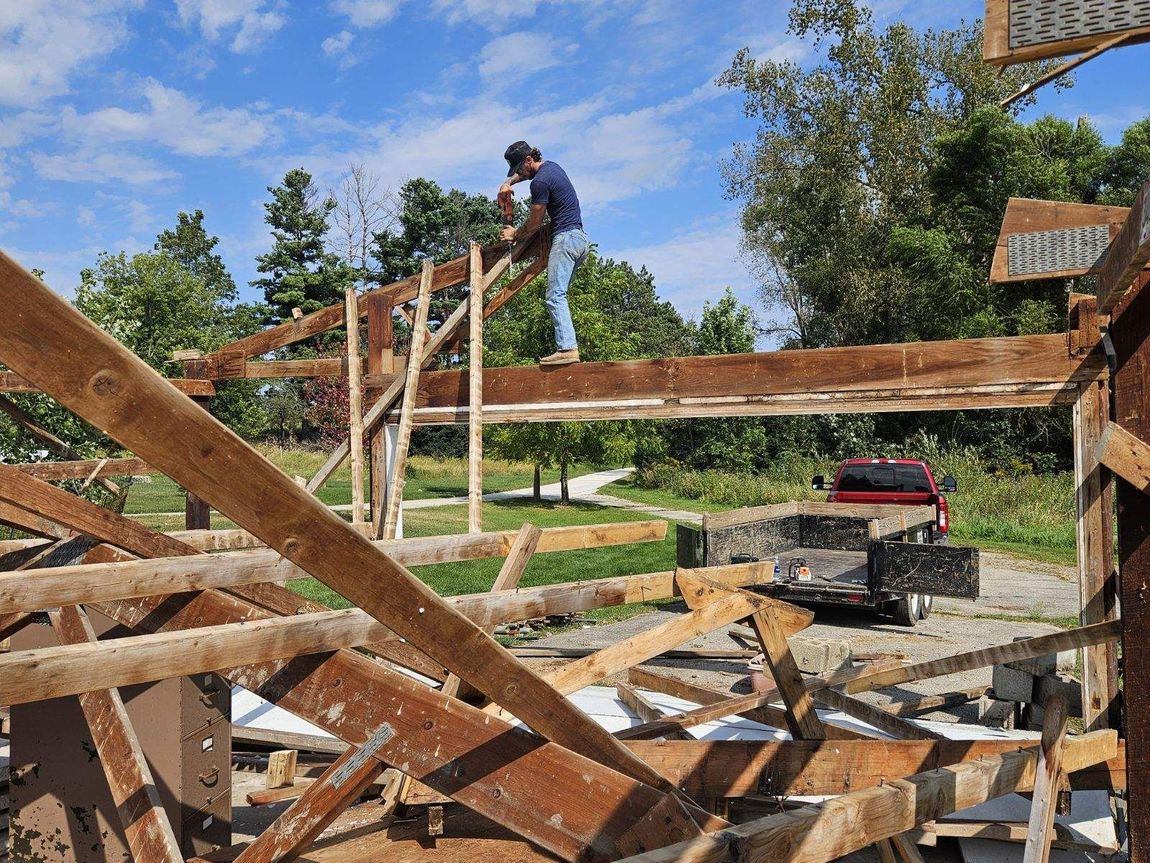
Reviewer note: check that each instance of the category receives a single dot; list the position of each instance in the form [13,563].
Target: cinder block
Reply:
[1011,684]
[996,714]
[1036,666]
[820,655]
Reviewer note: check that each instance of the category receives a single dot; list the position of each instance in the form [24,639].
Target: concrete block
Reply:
[1012,684]
[1033,717]
[994,713]
[1047,685]
[820,655]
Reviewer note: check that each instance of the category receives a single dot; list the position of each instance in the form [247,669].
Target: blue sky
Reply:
[116,114]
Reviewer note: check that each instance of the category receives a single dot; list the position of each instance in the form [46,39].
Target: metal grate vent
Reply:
[1056,251]
[1033,22]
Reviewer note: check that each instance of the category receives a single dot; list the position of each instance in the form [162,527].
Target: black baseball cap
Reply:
[516,155]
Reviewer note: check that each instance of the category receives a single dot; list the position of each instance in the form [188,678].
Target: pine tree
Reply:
[299,271]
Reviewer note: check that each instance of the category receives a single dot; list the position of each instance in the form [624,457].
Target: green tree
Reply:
[299,271]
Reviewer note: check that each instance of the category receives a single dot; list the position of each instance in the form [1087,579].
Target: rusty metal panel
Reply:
[1056,251]
[1034,22]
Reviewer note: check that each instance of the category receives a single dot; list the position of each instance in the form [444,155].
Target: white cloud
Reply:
[695,266]
[140,218]
[86,217]
[175,121]
[511,58]
[367,13]
[44,42]
[338,44]
[15,129]
[249,19]
[90,166]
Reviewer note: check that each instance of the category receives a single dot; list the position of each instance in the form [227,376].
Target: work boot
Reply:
[561,358]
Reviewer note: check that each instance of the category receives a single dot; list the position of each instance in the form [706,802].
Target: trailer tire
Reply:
[905,610]
[925,602]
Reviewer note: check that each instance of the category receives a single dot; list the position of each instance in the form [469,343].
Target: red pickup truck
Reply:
[907,482]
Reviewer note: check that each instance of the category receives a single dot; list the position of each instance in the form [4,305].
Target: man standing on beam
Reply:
[551,194]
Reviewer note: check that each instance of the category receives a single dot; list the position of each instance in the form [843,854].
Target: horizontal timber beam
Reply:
[46,587]
[55,471]
[10,382]
[834,828]
[1017,371]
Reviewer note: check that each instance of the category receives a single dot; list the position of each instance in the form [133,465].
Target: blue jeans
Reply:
[568,251]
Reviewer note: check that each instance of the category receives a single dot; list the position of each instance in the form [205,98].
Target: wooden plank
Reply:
[248,736]
[930,703]
[996,38]
[885,851]
[55,471]
[508,579]
[321,367]
[1011,360]
[1095,540]
[281,768]
[738,768]
[1126,455]
[146,827]
[1057,72]
[376,413]
[865,679]
[355,404]
[893,725]
[475,395]
[676,724]
[87,371]
[834,828]
[54,444]
[1130,334]
[647,711]
[415,359]
[1047,780]
[439,739]
[380,359]
[1012,832]
[754,706]
[1129,253]
[447,275]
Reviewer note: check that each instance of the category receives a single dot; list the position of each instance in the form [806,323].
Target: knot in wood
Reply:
[105,383]
[292,546]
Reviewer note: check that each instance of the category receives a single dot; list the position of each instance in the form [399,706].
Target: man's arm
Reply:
[533,223]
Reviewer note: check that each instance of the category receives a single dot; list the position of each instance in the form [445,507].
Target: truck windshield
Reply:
[884,478]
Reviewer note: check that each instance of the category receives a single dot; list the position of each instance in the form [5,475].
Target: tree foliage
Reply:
[299,271]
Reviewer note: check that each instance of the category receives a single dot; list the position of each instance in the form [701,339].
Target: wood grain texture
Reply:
[834,828]
[55,471]
[57,348]
[1044,802]
[355,404]
[475,394]
[147,830]
[1125,454]
[1028,216]
[1129,253]
[415,360]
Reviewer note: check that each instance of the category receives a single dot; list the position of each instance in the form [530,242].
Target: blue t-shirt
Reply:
[551,187]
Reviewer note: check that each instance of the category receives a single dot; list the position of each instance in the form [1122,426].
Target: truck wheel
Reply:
[925,602]
[905,610]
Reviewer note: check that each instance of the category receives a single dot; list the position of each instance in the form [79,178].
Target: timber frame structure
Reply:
[556,786]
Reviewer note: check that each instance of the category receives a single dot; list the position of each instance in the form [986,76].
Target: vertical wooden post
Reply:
[355,405]
[380,361]
[407,407]
[475,391]
[1130,333]
[1096,579]
[197,513]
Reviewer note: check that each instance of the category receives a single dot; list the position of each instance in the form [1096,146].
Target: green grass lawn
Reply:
[475,576]
[426,478]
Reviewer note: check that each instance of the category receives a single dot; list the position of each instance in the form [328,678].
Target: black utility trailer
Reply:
[877,556]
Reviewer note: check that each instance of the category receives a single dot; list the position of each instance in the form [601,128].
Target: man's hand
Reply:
[508,235]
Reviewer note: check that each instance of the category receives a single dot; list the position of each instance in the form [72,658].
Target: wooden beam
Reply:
[996,44]
[1011,832]
[1126,455]
[1057,72]
[384,403]
[648,712]
[716,705]
[1047,780]
[1129,253]
[55,471]
[415,359]
[53,345]
[475,395]
[380,359]
[930,703]
[896,727]
[787,768]
[834,828]
[802,719]
[1097,582]
[54,444]
[146,827]
[355,404]
[447,275]
[514,565]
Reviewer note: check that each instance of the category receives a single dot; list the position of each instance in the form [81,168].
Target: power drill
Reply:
[506,202]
